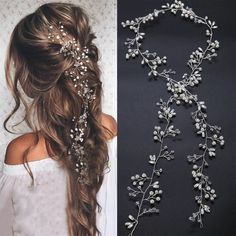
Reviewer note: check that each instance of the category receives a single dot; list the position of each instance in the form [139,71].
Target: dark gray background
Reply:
[137,115]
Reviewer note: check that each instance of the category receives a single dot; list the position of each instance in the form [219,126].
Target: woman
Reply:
[57,179]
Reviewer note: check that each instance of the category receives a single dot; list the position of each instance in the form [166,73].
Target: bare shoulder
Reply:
[17,147]
[110,123]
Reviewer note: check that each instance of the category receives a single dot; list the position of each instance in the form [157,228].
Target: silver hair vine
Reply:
[145,187]
[70,48]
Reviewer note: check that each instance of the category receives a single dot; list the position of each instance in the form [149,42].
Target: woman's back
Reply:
[17,147]
[42,208]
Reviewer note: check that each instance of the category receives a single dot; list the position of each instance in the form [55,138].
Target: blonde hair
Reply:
[40,71]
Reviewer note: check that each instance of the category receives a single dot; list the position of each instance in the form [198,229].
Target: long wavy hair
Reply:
[51,101]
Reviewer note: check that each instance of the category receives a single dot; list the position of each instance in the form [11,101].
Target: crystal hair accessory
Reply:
[77,73]
[145,188]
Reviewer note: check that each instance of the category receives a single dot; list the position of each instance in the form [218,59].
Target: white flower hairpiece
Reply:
[71,48]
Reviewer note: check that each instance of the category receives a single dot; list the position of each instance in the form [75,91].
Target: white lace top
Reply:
[41,210]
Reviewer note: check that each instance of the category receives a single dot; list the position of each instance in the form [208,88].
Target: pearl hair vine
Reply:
[77,73]
[145,189]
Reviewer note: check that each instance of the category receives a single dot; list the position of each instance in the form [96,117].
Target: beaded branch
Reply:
[70,48]
[145,189]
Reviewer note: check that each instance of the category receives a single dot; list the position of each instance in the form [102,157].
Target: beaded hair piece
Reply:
[145,189]
[70,48]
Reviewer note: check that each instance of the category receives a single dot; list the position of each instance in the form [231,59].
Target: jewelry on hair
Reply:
[71,48]
[145,187]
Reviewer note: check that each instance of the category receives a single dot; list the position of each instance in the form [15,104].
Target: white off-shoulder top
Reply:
[41,210]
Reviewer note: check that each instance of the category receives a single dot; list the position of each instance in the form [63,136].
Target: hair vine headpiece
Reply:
[71,48]
[145,188]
